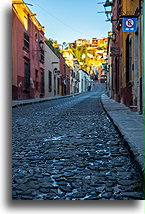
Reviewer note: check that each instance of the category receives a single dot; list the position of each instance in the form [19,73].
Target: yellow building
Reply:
[68,54]
[126,54]
[23,11]
[132,59]
[81,42]
[90,58]
[99,43]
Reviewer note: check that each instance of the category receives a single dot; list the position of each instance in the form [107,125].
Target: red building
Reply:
[64,77]
[27,54]
[68,72]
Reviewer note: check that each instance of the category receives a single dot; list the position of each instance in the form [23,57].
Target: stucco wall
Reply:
[51,62]
[20,55]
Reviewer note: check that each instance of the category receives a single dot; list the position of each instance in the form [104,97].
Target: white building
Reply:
[75,77]
[84,82]
[52,72]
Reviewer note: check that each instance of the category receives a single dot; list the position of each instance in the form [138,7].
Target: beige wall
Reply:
[51,62]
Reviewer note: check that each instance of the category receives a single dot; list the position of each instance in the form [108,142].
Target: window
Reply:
[57,85]
[37,86]
[42,82]
[64,70]
[26,75]
[128,58]
[42,55]
[26,40]
[36,37]
[50,81]
[36,80]
[36,74]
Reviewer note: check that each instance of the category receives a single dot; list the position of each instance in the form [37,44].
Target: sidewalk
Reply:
[130,125]
[16,103]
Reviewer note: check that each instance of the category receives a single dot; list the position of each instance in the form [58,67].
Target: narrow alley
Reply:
[69,149]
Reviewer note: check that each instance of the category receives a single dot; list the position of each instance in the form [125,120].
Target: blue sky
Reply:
[68,20]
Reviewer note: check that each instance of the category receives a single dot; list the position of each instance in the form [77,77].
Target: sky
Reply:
[68,20]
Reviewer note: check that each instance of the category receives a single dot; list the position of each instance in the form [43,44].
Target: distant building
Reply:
[73,64]
[27,53]
[81,42]
[94,42]
[84,81]
[75,77]
[99,43]
[65,71]
[55,43]
[68,55]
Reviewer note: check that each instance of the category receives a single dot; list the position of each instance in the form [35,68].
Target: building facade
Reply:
[27,53]
[52,71]
[65,71]
[84,81]
[126,67]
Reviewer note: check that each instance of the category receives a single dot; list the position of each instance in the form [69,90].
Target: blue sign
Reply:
[129,24]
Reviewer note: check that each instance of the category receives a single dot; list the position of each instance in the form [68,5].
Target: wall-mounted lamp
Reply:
[56,71]
[41,44]
[108,3]
[113,36]
[108,9]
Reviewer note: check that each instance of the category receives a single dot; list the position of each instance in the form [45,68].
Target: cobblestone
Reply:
[70,150]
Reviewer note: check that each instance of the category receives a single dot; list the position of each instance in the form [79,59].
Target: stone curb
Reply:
[133,137]
[34,101]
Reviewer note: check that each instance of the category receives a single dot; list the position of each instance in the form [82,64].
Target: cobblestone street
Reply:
[68,149]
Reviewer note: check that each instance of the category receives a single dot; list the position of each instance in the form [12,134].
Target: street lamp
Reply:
[108,3]
[108,9]
[113,36]
[41,44]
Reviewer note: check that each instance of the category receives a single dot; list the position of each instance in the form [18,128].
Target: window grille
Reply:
[50,81]
[42,55]
[42,82]
[26,40]
[128,58]
[26,76]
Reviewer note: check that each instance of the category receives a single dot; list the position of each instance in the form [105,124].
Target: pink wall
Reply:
[21,55]
[65,88]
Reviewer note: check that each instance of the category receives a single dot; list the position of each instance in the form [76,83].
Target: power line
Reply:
[59,20]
